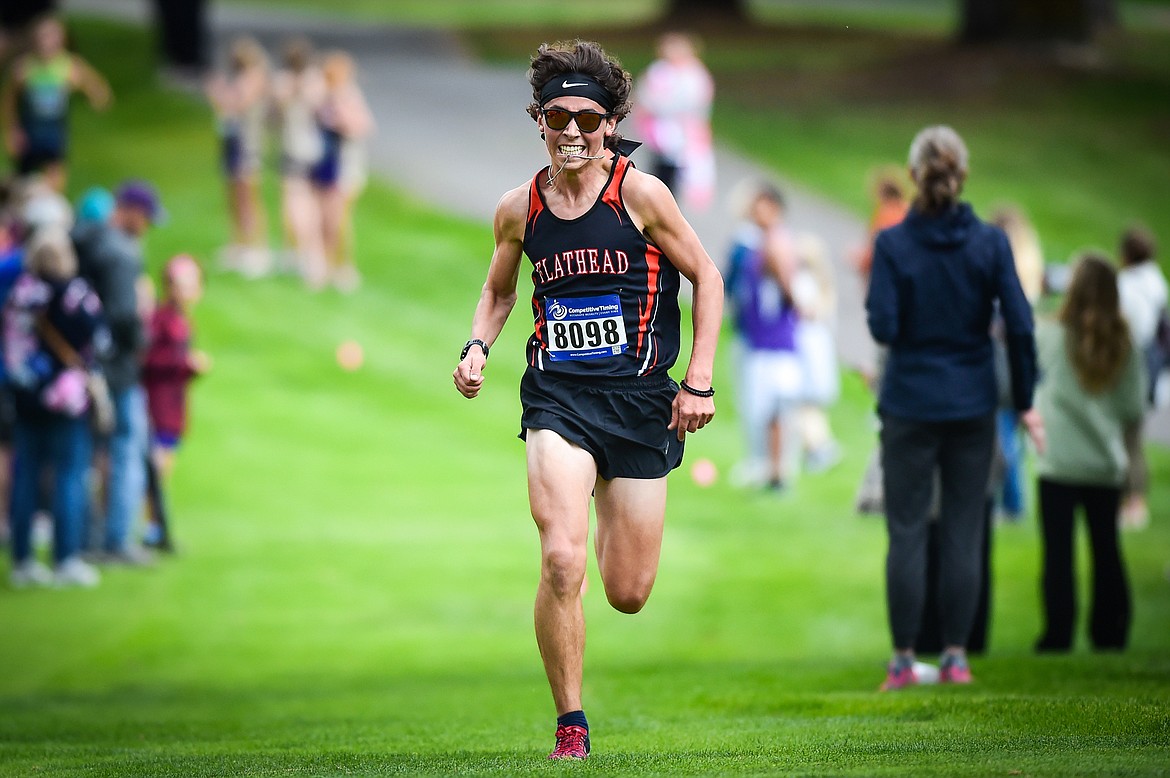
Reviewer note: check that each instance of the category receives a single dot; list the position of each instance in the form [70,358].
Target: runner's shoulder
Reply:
[512,211]
[645,194]
[648,200]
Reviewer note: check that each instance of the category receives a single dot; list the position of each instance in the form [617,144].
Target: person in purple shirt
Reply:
[937,278]
[759,282]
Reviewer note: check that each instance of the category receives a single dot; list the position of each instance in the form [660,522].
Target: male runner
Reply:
[601,417]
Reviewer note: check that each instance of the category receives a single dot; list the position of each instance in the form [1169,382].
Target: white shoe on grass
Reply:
[133,555]
[925,672]
[76,572]
[30,572]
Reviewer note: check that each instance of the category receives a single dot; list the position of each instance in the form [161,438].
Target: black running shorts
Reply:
[620,421]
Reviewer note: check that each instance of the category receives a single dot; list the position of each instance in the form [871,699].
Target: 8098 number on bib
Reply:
[585,327]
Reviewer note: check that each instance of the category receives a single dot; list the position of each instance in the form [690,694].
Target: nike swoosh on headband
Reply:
[566,84]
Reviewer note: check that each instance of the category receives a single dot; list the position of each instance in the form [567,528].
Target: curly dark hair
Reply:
[578,56]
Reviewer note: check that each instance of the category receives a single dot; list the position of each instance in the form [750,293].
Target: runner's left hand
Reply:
[468,374]
[690,413]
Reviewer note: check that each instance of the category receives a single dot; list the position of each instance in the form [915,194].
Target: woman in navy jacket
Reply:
[936,281]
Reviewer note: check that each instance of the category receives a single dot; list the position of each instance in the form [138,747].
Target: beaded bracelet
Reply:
[696,392]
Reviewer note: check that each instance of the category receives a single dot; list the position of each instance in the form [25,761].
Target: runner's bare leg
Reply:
[560,478]
[630,517]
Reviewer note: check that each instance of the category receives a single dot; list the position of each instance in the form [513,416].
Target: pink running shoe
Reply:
[954,669]
[572,743]
[898,675]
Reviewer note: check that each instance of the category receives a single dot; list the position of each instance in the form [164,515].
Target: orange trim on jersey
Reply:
[653,265]
[612,194]
[535,204]
[536,325]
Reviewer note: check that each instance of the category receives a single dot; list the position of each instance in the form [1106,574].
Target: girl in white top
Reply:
[239,98]
[814,292]
[297,92]
[1143,292]
[344,115]
[674,99]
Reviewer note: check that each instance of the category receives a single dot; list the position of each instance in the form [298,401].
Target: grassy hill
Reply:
[353,593]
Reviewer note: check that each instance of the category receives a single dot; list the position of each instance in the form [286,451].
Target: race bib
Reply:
[585,327]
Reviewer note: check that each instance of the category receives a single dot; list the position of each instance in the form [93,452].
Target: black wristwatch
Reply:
[469,344]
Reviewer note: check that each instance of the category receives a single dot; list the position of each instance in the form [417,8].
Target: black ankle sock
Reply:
[574,718]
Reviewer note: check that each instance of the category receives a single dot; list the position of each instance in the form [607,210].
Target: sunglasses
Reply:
[558,119]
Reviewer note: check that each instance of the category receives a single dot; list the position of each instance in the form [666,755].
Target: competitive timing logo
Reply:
[557,310]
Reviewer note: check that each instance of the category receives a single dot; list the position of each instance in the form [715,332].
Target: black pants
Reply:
[912,451]
[930,635]
[1109,615]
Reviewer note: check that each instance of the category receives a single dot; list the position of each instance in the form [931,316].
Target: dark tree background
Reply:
[15,14]
[981,20]
[182,32]
[682,11]
[181,26]
[1054,20]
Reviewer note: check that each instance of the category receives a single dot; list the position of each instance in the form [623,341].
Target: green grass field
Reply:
[353,595]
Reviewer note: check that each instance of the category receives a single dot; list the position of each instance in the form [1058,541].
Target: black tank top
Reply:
[605,300]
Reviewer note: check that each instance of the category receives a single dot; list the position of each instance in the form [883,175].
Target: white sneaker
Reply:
[30,572]
[133,555]
[254,262]
[76,572]
[925,672]
[42,530]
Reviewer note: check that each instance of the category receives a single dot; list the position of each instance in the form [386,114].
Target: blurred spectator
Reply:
[297,91]
[169,366]
[889,192]
[1026,252]
[935,279]
[1092,388]
[759,282]
[1143,291]
[1029,262]
[52,330]
[96,204]
[674,99]
[111,258]
[814,292]
[890,207]
[339,176]
[239,98]
[11,266]
[32,205]
[34,104]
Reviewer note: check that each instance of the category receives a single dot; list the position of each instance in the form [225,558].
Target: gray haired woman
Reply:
[937,278]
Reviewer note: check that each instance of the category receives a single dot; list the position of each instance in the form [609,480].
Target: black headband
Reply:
[576,85]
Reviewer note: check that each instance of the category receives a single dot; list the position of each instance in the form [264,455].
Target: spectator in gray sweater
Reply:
[111,259]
